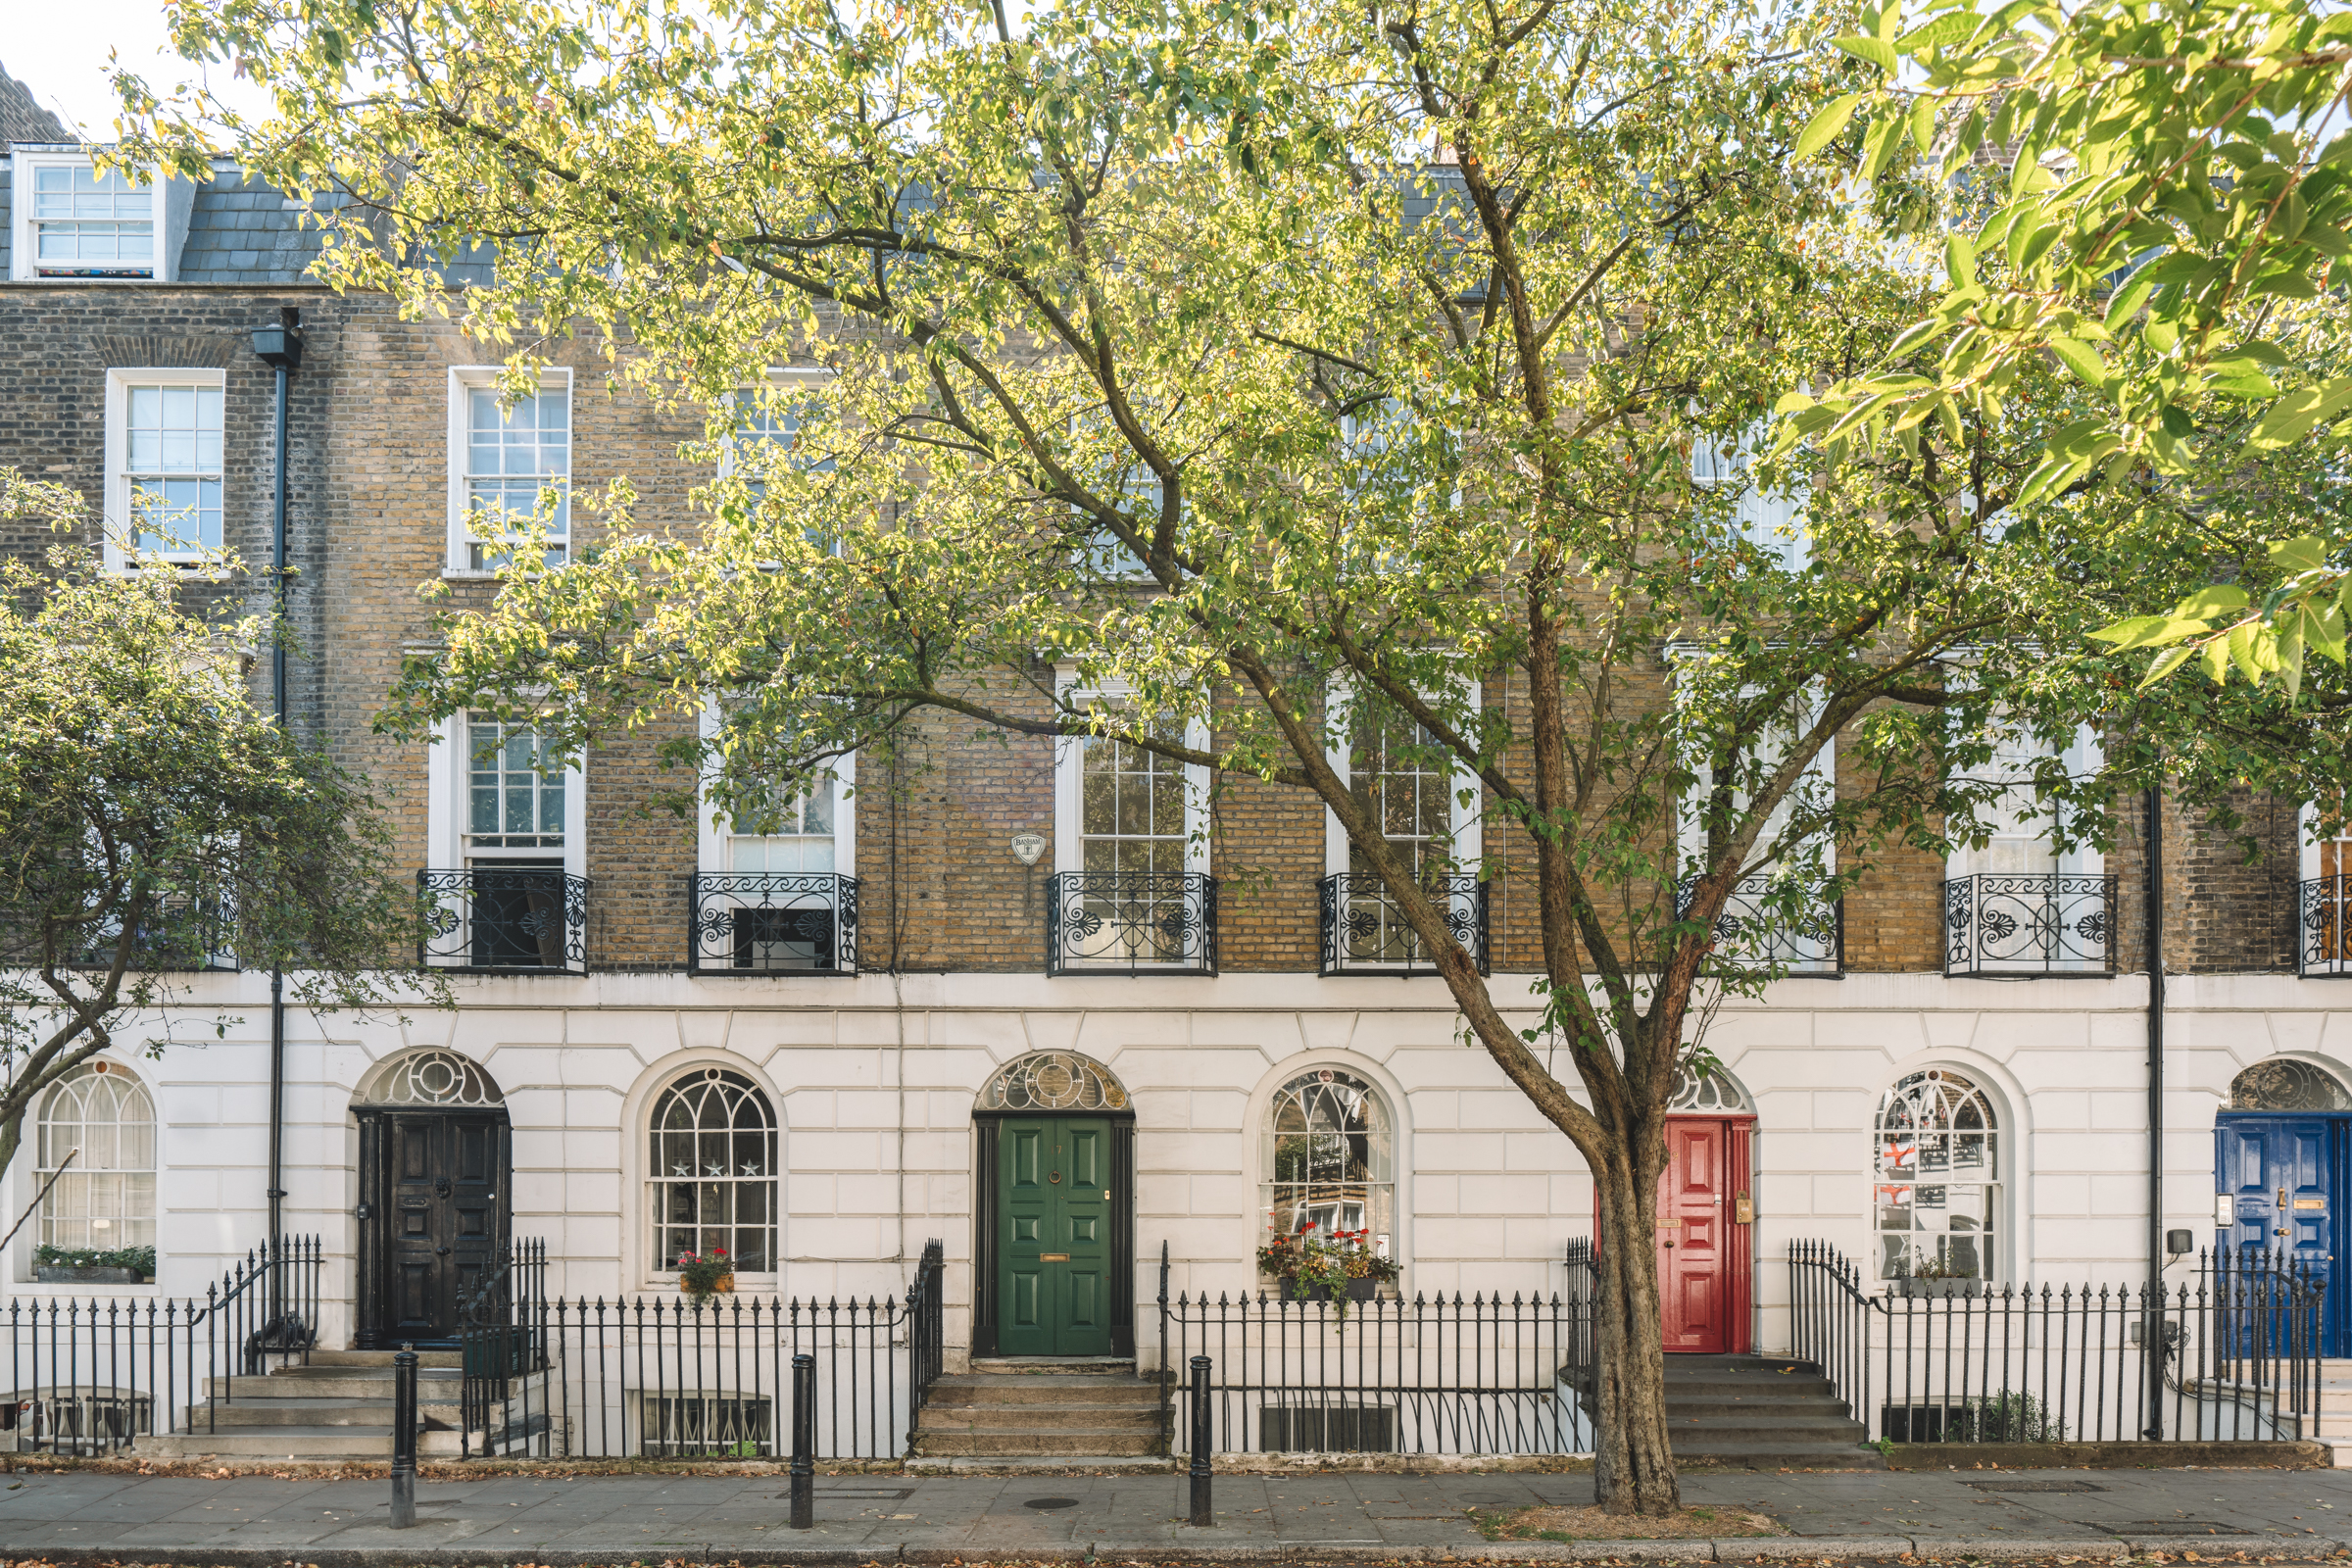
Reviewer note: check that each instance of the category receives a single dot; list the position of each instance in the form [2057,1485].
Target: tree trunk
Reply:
[1633,1463]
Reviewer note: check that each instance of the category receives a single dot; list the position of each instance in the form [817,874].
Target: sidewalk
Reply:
[75,1517]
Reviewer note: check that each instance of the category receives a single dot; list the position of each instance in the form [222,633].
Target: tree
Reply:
[2180,191]
[153,824]
[1354,370]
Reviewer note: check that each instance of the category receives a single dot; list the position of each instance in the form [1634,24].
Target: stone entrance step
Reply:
[1042,1410]
[337,1407]
[1761,1412]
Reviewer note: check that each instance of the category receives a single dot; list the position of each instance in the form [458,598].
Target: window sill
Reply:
[467,574]
[62,1289]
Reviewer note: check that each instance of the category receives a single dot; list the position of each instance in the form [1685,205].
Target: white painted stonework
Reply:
[874,1080]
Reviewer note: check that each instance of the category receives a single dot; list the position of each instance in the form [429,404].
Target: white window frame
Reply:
[464,381]
[43,1164]
[1468,821]
[1069,779]
[779,377]
[172,200]
[121,519]
[1774,523]
[712,835]
[651,1181]
[2307,823]
[2084,756]
[445,805]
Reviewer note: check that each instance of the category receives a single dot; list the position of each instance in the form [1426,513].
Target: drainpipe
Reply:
[2153,882]
[280,348]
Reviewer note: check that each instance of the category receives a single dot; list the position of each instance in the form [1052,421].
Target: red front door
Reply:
[1703,1246]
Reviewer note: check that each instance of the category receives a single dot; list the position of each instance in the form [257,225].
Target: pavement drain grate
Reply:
[1048,1505]
[2034,1486]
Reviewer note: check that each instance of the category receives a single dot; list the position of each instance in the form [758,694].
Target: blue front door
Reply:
[2281,1171]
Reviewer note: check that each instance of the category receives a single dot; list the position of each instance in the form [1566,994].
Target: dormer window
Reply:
[73,223]
[89,224]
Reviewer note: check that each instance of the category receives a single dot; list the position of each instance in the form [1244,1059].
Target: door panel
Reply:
[1053,1227]
[2279,1171]
[1693,1215]
[440,1219]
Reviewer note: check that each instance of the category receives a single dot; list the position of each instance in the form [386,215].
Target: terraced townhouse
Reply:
[921,1012]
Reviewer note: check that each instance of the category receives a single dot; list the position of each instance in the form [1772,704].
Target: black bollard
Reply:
[803,1442]
[404,1437]
[1201,1516]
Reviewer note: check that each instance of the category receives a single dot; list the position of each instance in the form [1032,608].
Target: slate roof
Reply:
[22,117]
[240,232]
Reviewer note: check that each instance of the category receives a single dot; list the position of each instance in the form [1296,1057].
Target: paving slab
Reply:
[1330,1517]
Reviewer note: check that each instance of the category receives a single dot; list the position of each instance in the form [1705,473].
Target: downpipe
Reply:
[2152,881]
[280,348]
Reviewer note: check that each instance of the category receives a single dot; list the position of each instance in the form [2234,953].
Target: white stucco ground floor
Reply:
[820,1129]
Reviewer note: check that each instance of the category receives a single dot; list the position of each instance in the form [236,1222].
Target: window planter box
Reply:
[1364,1290]
[62,1274]
[722,1286]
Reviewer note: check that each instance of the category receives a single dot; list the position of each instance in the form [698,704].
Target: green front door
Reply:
[1053,1237]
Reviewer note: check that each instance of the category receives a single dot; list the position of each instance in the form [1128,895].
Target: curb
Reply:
[1776,1549]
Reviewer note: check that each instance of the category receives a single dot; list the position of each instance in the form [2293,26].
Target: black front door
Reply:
[434,1219]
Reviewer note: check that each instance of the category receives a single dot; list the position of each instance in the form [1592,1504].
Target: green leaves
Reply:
[1827,123]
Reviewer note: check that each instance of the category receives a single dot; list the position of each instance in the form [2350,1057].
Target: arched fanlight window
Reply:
[2285,1084]
[104,1199]
[712,1171]
[1331,1159]
[1935,1171]
[1700,1094]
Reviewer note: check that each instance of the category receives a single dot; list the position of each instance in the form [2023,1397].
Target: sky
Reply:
[60,48]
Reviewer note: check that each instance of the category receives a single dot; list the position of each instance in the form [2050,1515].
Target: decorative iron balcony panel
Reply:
[776,923]
[2324,927]
[1131,922]
[1365,931]
[2025,923]
[507,919]
[1751,933]
[179,935]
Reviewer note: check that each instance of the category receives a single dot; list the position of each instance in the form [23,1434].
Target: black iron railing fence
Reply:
[1365,933]
[1131,922]
[511,919]
[92,1376]
[2029,923]
[674,1376]
[2324,926]
[1476,1374]
[746,924]
[2239,1347]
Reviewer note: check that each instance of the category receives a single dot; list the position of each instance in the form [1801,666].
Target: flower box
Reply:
[721,1286]
[1361,1290]
[68,1274]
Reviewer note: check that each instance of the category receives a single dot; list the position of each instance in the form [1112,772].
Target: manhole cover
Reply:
[2033,1486]
[1048,1504]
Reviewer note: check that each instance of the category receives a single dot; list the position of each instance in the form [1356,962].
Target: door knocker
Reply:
[440,1187]
[1054,1177]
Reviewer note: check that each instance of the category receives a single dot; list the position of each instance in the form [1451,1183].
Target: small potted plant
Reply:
[1343,1269]
[703,1275]
[82,1266]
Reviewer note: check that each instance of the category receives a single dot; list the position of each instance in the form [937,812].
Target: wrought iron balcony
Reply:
[505,919]
[1365,931]
[2022,923]
[1752,932]
[179,935]
[1131,922]
[2324,927]
[748,923]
